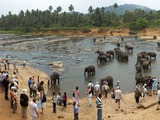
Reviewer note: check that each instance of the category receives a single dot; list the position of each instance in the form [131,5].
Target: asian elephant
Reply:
[123,56]
[138,68]
[129,47]
[102,58]
[100,52]
[142,79]
[146,64]
[139,56]
[118,44]
[110,52]
[89,70]
[143,53]
[152,54]
[109,56]
[158,43]
[108,79]
[54,76]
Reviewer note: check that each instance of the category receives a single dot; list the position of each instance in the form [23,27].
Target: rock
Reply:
[58,64]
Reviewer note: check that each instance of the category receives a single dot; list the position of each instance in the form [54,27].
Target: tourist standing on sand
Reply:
[24,63]
[158,98]
[54,102]
[77,95]
[24,102]
[65,99]
[118,96]
[34,89]
[89,95]
[154,86]
[106,88]
[91,86]
[97,89]
[12,95]
[59,99]
[99,107]
[29,86]
[6,86]
[137,94]
[75,111]
[15,96]
[34,109]
[149,85]
[40,103]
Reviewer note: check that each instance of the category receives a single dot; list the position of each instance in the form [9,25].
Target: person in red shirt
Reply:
[65,99]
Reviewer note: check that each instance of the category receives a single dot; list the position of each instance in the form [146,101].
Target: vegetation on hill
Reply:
[29,21]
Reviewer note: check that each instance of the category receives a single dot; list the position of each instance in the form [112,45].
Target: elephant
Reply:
[89,70]
[102,58]
[54,76]
[123,56]
[108,79]
[116,49]
[118,44]
[154,37]
[142,79]
[141,60]
[158,43]
[143,53]
[146,64]
[100,52]
[139,56]
[129,47]
[152,54]
[138,68]
[109,56]
[110,52]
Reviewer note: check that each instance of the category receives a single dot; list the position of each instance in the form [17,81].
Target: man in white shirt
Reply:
[97,89]
[34,109]
[118,96]
[90,84]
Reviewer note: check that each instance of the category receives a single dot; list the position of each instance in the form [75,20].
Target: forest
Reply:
[34,20]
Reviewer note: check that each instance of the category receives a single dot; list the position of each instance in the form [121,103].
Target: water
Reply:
[76,54]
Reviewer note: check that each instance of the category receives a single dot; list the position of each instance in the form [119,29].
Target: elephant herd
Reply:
[144,60]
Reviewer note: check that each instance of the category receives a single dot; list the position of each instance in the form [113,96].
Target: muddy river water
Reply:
[76,53]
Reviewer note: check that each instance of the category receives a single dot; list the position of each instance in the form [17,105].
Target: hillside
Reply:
[122,8]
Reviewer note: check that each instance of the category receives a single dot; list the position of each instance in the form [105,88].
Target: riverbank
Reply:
[128,110]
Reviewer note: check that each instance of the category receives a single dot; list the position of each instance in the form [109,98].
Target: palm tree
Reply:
[115,5]
[71,8]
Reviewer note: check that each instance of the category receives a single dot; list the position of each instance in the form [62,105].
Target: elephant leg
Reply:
[58,80]
[55,81]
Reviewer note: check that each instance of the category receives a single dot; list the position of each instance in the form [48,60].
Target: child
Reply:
[75,111]
[65,99]
[54,102]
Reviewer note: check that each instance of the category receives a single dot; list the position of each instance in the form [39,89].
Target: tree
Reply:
[71,8]
[90,9]
[115,5]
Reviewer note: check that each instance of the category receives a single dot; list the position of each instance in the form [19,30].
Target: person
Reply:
[137,94]
[144,90]
[14,98]
[24,63]
[77,95]
[5,83]
[106,88]
[75,111]
[40,103]
[65,99]
[54,102]
[40,87]
[154,86]
[113,93]
[34,109]
[89,95]
[34,88]
[149,84]
[24,102]
[158,98]
[29,86]
[117,84]
[12,95]
[1,79]
[158,85]
[118,96]
[59,99]
[99,107]
[97,89]
[91,86]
